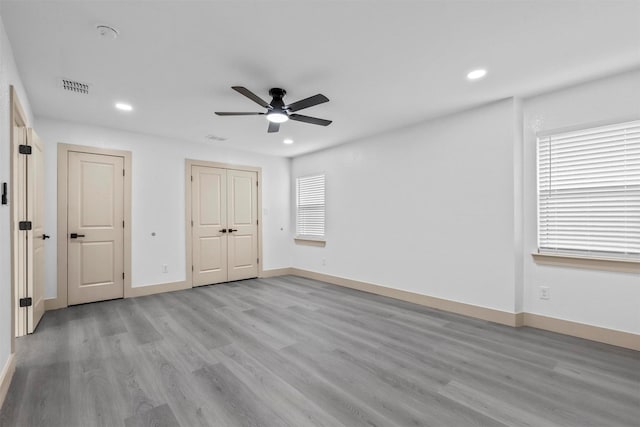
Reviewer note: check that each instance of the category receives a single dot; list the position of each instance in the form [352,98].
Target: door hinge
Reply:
[257,260]
[24,225]
[122,224]
[192,223]
[122,172]
[24,149]
[256,183]
[257,221]
[26,302]
[192,268]
[122,276]
[191,178]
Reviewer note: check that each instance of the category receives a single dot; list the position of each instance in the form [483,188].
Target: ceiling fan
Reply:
[277,111]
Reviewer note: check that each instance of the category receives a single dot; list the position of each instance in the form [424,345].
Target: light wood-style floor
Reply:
[294,352]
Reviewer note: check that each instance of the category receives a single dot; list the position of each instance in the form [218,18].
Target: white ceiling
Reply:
[383,64]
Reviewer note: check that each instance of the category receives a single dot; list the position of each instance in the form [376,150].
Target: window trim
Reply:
[308,241]
[618,265]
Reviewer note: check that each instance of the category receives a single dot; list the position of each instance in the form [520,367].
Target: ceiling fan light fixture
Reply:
[277,111]
[277,117]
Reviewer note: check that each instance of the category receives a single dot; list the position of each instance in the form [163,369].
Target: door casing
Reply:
[189,241]
[62,233]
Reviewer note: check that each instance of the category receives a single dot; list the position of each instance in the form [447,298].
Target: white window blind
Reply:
[310,205]
[589,192]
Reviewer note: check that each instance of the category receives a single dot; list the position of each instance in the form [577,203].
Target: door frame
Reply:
[17,117]
[187,219]
[61,299]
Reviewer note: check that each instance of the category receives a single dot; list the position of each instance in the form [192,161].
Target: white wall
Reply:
[427,209]
[8,76]
[448,208]
[600,298]
[158,197]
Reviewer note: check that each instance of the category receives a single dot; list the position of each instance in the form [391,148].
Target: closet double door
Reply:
[224,223]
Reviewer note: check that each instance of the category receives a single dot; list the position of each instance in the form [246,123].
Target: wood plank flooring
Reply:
[289,351]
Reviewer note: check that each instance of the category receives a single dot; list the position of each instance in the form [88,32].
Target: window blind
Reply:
[310,206]
[589,191]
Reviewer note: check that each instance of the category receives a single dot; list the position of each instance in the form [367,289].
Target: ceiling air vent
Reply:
[76,87]
[215,138]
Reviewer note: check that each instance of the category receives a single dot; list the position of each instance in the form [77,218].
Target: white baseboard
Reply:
[566,327]
[490,314]
[274,272]
[582,330]
[575,329]
[140,291]
[53,304]
[6,376]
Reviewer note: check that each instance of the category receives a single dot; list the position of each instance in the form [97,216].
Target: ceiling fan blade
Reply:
[238,114]
[252,96]
[312,120]
[307,102]
[273,127]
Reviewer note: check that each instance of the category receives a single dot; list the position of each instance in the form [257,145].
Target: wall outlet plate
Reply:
[545,292]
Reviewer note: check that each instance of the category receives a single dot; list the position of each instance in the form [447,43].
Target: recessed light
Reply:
[288,141]
[477,74]
[124,107]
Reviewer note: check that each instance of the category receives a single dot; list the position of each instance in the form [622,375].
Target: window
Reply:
[589,192]
[310,206]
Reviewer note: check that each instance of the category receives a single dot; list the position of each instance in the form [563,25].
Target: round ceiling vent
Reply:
[107,32]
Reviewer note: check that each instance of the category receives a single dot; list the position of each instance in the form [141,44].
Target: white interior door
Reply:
[209,218]
[21,237]
[242,207]
[224,210]
[36,237]
[95,223]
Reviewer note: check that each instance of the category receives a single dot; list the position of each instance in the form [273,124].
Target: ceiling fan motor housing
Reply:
[277,103]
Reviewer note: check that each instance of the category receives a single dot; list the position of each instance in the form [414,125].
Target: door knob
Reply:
[76,235]
[224,230]
[231,230]
[45,236]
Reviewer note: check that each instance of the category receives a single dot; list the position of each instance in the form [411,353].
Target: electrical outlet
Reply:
[545,292]
[165,268]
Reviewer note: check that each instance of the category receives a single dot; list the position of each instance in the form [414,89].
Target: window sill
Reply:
[594,263]
[310,241]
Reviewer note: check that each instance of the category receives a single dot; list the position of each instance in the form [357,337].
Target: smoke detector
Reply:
[107,32]
[75,87]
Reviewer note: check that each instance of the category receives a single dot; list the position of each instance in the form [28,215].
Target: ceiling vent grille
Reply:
[215,138]
[75,87]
